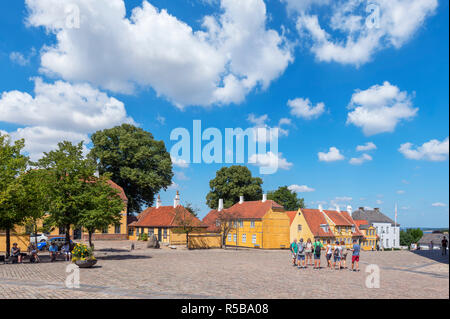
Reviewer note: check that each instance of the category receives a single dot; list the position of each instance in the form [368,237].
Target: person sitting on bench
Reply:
[15,254]
[53,249]
[34,258]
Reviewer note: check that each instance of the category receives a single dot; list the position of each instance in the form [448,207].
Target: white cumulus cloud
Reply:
[301,188]
[303,108]
[366,147]
[270,160]
[230,55]
[433,150]
[438,204]
[333,155]
[360,160]
[380,108]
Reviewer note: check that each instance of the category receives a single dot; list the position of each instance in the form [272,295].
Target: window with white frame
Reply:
[252,224]
[244,238]
[241,223]
[234,237]
[254,239]
[217,222]
[229,237]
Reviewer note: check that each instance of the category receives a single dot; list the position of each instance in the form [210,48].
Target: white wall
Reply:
[389,235]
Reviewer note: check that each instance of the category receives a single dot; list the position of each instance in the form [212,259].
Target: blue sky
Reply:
[336,81]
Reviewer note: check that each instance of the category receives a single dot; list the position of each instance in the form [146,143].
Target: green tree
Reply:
[410,236]
[33,196]
[102,206]
[12,164]
[287,198]
[68,174]
[185,222]
[193,210]
[232,182]
[138,163]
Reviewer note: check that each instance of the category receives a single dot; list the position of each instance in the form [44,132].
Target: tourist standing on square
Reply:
[329,253]
[317,250]
[294,249]
[355,256]
[337,251]
[301,254]
[444,245]
[344,255]
[308,252]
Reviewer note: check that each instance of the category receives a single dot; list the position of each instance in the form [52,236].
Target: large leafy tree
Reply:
[32,194]
[102,206]
[68,175]
[232,182]
[12,164]
[136,161]
[287,198]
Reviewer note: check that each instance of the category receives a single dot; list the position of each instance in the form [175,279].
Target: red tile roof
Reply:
[291,215]
[357,231]
[315,218]
[166,216]
[360,222]
[253,209]
[338,218]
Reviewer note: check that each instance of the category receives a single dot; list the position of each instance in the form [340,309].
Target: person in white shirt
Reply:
[337,253]
[329,253]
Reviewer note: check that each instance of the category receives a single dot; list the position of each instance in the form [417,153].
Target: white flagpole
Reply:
[395,214]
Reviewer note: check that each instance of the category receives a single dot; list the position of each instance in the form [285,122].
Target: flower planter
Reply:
[85,263]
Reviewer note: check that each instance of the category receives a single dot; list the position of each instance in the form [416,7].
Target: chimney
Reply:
[220,207]
[376,209]
[241,199]
[338,209]
[158,202]
[361,208]
[349,210]
[97,174]
[321,208]
[176,201]
[264,198]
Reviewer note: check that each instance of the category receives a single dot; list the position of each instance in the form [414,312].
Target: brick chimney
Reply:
[220,207]
[241,199]
[264,198]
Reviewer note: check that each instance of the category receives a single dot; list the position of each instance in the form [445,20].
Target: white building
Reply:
[387,229]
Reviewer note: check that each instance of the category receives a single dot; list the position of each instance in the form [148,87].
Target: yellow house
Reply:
[343,226]
[165,222]
[309,224]
[370,239]
[254,224]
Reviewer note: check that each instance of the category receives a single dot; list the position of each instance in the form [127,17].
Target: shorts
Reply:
[301,257]
[337,258]
[355,258]
[328,257]
[317,256]
[309,254]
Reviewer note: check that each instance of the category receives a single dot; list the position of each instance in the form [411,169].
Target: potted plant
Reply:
[83,256]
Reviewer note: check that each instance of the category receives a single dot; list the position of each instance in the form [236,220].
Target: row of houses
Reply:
[261,224]
[265,224]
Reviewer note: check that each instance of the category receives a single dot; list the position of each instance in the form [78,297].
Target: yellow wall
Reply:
[249,232]
[304,233]
[270,232]
[205,241]
[370,239]
[22,241]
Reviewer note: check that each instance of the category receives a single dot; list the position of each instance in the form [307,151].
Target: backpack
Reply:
[317,250]
[301,248]
[336,251]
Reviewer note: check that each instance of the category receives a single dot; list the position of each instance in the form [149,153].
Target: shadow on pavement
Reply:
[435,255]
[122,257]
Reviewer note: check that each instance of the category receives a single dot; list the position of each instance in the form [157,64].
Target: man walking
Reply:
[355,256]
[444,245]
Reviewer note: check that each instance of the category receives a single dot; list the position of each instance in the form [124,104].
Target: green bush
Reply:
[143,236]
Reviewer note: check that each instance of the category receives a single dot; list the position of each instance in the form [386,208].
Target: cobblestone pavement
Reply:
[179,273]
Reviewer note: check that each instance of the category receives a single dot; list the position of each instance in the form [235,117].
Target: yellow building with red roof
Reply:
[253,224]
[166,222]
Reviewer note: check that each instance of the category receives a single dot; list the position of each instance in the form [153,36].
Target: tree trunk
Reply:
[90,238]
[187,240]
[68,234]
[35,234]
[8,242]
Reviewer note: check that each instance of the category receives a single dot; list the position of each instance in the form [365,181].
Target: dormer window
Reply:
[324,227]
[353,228]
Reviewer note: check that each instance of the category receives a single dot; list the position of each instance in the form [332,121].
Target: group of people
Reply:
[336,255]
[17,255]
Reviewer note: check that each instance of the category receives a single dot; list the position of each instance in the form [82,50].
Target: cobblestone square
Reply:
[230,273]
